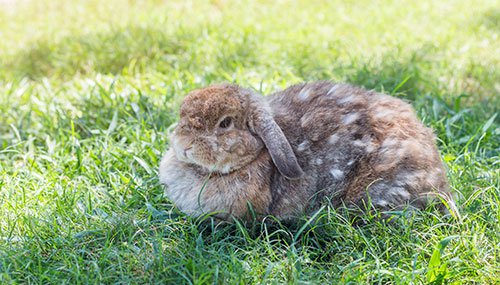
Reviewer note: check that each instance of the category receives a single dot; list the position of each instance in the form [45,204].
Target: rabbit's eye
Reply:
[226,123]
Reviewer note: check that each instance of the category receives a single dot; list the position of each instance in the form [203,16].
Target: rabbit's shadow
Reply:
[323,236]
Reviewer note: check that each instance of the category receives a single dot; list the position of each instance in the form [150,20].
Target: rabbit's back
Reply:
[353,143]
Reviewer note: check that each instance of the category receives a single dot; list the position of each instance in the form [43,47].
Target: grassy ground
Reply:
[88,90]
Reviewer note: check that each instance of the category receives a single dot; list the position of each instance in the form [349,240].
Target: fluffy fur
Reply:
[286,153]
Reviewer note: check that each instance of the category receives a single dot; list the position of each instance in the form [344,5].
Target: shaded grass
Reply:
[86,104]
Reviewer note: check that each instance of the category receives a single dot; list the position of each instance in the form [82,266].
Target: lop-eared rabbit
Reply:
[236,153]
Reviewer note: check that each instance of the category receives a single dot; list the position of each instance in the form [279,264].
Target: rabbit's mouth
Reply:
[185,154]
[191,155]
[217,155]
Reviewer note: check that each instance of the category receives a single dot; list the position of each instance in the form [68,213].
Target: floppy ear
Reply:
[262,123]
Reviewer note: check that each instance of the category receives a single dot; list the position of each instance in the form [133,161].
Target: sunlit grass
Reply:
[89,89]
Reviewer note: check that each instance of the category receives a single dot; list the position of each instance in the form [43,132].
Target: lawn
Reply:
[89,91]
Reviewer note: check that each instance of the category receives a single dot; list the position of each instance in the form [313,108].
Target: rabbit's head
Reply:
[225,127]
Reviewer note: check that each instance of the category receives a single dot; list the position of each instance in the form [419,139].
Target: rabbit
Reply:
[237,154]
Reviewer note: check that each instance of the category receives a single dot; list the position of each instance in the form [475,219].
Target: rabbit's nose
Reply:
[186,149]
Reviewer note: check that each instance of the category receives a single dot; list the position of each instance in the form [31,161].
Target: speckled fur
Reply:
[348,145]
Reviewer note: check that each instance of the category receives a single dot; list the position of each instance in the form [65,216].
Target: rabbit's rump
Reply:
[359,146]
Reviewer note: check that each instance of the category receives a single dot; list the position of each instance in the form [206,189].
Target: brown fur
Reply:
[289,151]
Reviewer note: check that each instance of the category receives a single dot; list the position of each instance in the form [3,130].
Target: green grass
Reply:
[89,90]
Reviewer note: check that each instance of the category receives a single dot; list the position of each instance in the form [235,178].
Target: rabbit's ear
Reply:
[262,123]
